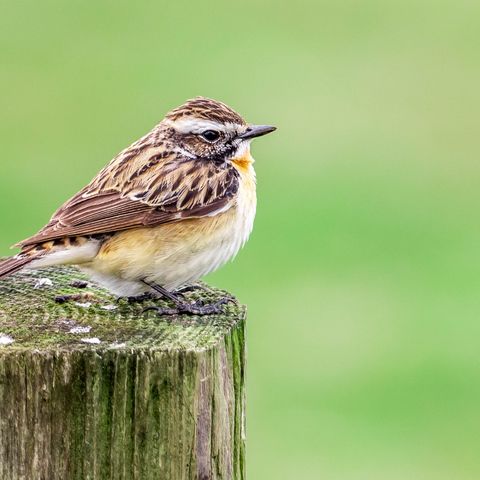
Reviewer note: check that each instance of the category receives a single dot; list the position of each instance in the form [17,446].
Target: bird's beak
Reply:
[256,131]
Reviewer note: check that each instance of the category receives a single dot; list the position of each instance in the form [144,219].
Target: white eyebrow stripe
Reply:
[197,125]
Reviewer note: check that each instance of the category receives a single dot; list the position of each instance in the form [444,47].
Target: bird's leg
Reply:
[182,306]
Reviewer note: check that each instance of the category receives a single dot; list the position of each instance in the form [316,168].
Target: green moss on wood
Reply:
[157,398]
[32,318]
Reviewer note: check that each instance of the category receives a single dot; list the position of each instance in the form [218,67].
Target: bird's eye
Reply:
[211,135]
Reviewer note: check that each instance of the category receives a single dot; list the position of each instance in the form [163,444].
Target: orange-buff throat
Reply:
[242,163]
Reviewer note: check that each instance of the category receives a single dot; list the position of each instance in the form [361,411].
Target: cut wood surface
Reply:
[92,388]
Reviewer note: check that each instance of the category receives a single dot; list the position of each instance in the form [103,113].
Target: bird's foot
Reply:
[198,287]
[197,308]
[139,298]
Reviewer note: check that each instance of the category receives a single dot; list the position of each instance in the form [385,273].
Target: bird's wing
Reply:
[151,189]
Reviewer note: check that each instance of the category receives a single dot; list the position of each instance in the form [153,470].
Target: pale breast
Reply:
[179,253]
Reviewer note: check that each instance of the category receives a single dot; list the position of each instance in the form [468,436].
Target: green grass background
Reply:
[362,275]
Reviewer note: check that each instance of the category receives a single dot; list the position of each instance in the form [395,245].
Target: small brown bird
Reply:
[169,209]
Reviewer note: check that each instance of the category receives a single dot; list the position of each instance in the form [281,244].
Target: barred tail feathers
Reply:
[14,264]
[62,252]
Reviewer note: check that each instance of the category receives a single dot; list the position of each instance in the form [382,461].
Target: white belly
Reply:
[193,261]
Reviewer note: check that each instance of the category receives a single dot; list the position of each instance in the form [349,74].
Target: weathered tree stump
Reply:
[93,388]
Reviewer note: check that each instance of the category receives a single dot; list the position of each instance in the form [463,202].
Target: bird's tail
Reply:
[14,264]
[61,252]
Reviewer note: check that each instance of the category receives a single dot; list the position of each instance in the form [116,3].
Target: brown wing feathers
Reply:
[163,188]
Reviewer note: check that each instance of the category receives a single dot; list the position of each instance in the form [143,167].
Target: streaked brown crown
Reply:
[207,109]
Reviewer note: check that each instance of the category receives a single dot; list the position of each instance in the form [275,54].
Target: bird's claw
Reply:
[197,308]
[138,298]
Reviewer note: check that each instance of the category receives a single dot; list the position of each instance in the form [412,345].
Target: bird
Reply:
[172,207]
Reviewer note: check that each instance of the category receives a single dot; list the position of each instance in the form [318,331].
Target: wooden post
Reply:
[92,388]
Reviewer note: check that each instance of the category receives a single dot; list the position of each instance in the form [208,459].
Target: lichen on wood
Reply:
[92,388]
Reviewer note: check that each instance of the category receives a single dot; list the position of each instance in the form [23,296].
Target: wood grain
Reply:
[156,398]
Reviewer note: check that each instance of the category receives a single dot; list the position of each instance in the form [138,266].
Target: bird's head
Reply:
[209,130]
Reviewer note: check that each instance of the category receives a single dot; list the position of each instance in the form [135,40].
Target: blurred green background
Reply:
[362,276]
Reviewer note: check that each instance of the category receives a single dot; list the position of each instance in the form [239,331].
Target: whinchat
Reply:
[169,209]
